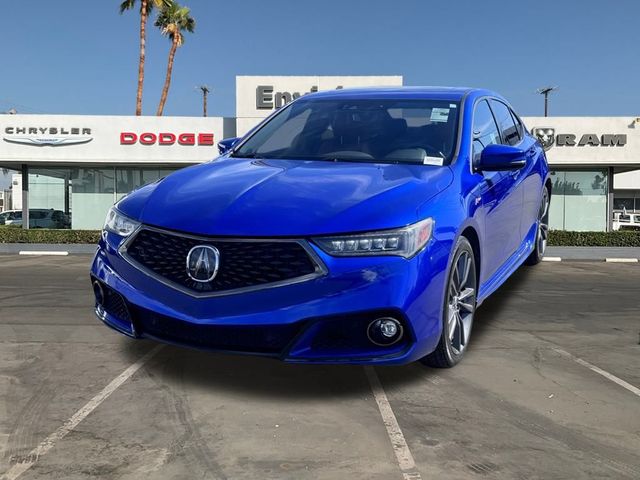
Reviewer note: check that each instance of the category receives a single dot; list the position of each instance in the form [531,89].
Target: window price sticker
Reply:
[439,114]
[436,161]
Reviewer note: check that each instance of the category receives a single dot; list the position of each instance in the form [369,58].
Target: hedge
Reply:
[41,235]
[621,238]
[625,238]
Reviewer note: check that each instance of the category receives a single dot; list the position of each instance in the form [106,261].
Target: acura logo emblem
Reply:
[202,263]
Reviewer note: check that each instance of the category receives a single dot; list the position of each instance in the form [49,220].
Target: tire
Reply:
[542,232]
[458,309]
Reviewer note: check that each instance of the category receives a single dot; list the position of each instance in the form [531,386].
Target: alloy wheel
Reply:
[461,302]
[543,223]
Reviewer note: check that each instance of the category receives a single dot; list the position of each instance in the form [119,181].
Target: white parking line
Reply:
[48,443]
[633,389]
[43,252]
[621,260]
[398,442]
[551,259]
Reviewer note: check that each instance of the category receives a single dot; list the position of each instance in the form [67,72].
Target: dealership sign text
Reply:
[548,138]
[167,138]
[51,136]
[267,99]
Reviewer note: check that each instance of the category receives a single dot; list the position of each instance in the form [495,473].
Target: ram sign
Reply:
[586,141]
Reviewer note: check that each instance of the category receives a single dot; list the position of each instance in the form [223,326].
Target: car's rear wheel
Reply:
[542,233]
[459,309]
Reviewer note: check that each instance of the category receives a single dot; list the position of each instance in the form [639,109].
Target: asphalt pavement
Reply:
[548,390]
[563,253]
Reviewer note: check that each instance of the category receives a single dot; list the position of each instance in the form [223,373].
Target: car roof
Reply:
[433,93]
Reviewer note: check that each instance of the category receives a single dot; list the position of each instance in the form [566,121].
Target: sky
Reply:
[80,57]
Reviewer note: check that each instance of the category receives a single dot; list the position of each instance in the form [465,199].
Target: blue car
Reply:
[351,226]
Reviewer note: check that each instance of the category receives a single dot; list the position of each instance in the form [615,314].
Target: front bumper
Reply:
[322,320]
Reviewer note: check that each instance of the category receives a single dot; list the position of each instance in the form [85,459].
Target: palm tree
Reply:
[145,8]
[172,21]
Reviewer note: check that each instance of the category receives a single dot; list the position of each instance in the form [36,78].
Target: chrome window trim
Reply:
[320,268]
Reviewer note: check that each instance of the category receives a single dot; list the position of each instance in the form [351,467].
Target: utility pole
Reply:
[546,91]
[205,91]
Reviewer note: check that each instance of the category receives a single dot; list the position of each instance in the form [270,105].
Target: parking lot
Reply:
[548,390]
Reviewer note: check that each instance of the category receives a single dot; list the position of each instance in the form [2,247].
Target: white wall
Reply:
[627,180]
[589,155]
[16,191]
[104,143]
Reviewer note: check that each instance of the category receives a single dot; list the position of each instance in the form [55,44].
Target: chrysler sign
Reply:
[47,136]
[548,138]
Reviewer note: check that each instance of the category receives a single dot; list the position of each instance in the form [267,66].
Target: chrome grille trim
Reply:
[320,267]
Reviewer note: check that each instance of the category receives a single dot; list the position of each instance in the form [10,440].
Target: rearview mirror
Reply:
[501,157]
[227,144]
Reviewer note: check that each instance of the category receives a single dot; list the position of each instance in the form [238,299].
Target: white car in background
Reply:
[38,218]
[624,220]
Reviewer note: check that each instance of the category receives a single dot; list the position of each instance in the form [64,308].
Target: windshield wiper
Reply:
[248,155]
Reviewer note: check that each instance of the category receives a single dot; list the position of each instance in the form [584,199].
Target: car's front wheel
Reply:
[459,308]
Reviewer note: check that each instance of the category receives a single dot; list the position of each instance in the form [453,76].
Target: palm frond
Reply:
[127,5]
[173,19]
[130,4]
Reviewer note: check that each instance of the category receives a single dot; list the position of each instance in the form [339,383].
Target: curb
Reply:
[583,260]
[43,252]
[58,249]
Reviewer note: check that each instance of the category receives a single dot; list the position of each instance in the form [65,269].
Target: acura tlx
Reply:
[351,226]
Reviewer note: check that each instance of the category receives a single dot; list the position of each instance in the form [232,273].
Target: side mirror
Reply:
[227,144]
[501,157]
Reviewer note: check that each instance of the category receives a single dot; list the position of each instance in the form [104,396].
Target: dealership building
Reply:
[80,165]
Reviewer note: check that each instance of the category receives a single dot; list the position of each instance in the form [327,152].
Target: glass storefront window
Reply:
[579,200]
[128,179]
[49,202]
[79,198]
[92,193]
[623,203]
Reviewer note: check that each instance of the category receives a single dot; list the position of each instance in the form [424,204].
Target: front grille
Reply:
[261,339]
[243,264]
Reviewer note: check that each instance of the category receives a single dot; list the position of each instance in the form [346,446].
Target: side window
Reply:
[508,129]
[519,124]
[485,131]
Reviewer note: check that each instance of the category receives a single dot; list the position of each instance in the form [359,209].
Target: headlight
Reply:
[119,224]
[405,242]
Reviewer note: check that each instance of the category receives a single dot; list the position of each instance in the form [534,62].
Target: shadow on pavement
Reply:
[267,377]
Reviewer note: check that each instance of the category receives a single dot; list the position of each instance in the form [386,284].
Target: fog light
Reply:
[385,331]
[98,292]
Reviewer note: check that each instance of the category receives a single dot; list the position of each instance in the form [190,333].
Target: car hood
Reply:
[264,198]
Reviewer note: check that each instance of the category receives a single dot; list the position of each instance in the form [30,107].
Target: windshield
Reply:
[380,131]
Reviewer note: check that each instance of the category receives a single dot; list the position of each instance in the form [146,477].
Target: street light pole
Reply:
[546,91]
[205,91]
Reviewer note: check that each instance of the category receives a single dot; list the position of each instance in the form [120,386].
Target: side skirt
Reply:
[511,265]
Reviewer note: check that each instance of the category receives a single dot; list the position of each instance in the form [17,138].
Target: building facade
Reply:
[79,166]
[595,164]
